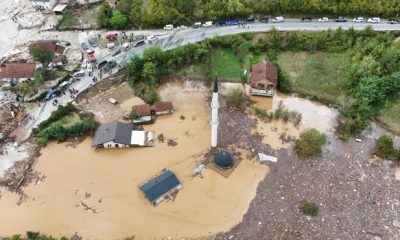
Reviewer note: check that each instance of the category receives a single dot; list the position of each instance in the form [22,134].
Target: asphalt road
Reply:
[174,38]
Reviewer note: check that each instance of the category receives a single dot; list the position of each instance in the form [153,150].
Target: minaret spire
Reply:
[214,114]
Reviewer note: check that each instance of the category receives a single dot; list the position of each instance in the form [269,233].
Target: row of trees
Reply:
[156,13]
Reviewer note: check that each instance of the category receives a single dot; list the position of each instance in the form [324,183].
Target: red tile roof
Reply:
[163,106]
[143,109]
[17,70]
[264,73]
[50,46]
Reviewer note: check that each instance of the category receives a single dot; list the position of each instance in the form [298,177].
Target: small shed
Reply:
[144,113]
[163,108]
[59,9]
[160,186]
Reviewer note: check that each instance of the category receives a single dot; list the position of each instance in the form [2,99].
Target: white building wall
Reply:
[49,4]
[214,119]
[112,144]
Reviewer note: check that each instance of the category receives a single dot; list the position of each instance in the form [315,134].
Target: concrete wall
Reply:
[112,144]
[49,4]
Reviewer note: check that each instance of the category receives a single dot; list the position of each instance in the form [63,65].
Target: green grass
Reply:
[320,74]
[389,116]
[68,20]
[225,64]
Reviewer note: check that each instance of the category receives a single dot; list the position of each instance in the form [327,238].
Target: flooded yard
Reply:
[107,181]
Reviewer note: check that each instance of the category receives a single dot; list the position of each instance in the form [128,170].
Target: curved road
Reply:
[174,38]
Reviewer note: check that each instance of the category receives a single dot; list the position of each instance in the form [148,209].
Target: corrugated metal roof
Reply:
[113,131]
[159,185]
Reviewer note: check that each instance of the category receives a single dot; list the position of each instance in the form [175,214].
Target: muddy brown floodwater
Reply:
[107,181]
[314,115]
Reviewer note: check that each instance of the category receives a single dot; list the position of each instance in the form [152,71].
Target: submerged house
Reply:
[143,113]
[160,186]
[163,108]
[264,79]
[120,135]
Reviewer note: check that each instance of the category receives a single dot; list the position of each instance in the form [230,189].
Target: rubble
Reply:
[11,115]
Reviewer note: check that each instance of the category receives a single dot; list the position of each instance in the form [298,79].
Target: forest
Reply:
[156,13]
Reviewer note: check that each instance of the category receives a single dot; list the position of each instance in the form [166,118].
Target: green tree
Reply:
[104,15]
[384,146]
[149,74]
[40,54]
[135,15]
[310,142]
[135,69]
[118,20]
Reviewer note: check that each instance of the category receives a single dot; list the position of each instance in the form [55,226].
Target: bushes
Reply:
[40,54]
[35,236]
[235,98]
[310,142]
[384,148]
[61,112]
[309,208]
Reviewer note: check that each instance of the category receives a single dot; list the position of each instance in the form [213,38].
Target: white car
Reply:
[181,27]
[151,38]
[126,46]
[358,19]
[374,20]
[84,63]
[113,101]
[278,19]
[169,27]
[324,19]
[207,24]
[89,68]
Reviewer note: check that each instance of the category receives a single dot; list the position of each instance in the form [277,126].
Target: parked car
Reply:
[358,19]
[151,38]
[84,63]
[323,19]
[89,68]
[278,19]
[341,19]
[197,25]
[126,46]
[250,20]
[181,27]
[79,74]
[306,19]
[233,22]
[139,43]
[207,24]
[169,27]
[101,64]
[113,101]
[219,23]
[264,20]
[90,55]
[116,52]
[394,21]
[111,36]
[92,43]
[374,20]
[84,46]
[110,45]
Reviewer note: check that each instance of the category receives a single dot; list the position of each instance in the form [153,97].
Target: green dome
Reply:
[224,160]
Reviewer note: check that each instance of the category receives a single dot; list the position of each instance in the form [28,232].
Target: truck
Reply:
[90,55]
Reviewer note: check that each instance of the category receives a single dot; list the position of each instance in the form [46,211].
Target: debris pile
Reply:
[11,115]
[29,18]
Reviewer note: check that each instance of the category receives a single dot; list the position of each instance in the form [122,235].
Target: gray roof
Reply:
[113,131]
[159,185]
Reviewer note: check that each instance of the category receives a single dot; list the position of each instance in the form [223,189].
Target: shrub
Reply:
[134,115]
[310,142]
[40,54]
[384,146]
[235,98]
[309,208]
[61,112]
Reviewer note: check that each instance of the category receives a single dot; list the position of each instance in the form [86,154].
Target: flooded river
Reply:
[107,181]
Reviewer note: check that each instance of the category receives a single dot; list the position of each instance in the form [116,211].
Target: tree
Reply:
[118,20]
[384,146]
[149,74]
[310,142]
[135,69]
[135,15]
[103,15]
[40,54]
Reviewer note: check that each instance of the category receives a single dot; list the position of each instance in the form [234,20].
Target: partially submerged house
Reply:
[18,72]
[160,186]
[264,79]
[143,113]
[120,135]
[163,108]
[53,46]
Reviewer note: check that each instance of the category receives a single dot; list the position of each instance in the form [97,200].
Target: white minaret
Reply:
[214,115]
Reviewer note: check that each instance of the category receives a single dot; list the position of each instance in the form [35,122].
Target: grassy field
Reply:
[225,64]
[390,116]
[319,74]
[68,20]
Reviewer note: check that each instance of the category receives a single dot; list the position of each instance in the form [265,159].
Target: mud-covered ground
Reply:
[358,199]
